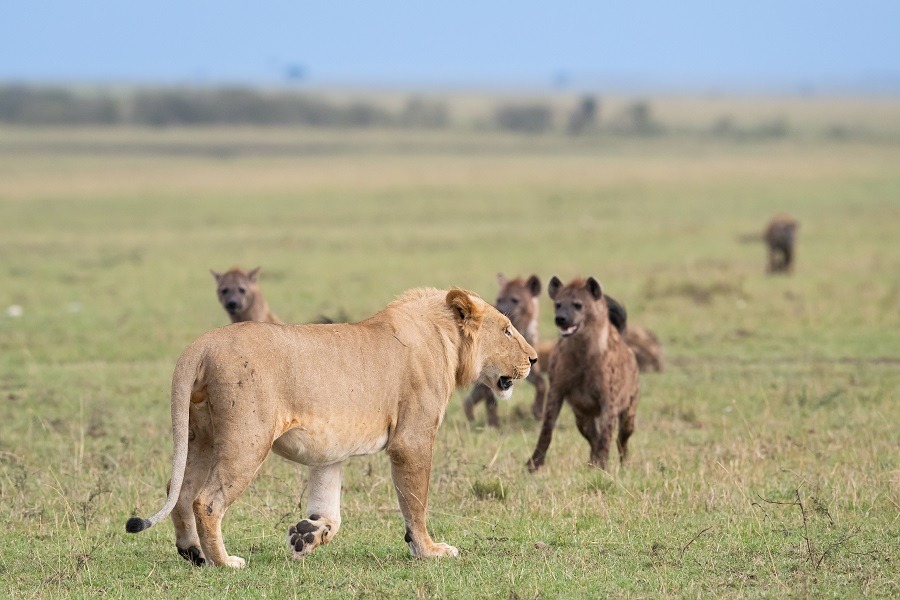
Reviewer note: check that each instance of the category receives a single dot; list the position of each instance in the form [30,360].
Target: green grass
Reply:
[765,461]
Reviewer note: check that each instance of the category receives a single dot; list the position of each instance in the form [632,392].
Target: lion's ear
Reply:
[253,275]
[218,276]
[594,288]
[534,284]
[468,314]
[553,287]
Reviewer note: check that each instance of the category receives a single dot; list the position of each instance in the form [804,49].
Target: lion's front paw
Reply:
[235,562]
[434,550]
[307,534]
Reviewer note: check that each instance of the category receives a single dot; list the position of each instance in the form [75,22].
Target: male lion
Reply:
[319,394]
[592,368]
[241,297]
[518,300]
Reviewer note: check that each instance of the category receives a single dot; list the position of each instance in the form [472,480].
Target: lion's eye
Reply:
[577,305]
[507,332]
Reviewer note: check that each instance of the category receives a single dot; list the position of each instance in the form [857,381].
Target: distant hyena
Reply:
[241,297]
[780,237]
[518,300]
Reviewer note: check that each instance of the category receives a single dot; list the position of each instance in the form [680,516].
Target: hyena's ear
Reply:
[218,276]
[594,288]
[534,284]
[468,313]
[553,287]
[253,275]
[501,279]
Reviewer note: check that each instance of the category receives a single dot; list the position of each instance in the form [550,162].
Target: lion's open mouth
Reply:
[504,383]
[568,330]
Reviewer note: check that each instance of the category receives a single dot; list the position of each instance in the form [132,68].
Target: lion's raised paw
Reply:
[307,534]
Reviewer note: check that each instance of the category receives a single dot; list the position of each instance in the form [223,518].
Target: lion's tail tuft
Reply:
[137,524]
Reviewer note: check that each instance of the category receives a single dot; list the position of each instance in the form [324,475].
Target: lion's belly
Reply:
[319,446]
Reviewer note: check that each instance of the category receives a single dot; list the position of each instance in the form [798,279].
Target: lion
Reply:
[592,369]
[241,297]
[780,236]
[518,300]
[319,394]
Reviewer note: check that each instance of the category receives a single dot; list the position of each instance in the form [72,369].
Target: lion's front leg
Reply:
[323,508]
[411,471]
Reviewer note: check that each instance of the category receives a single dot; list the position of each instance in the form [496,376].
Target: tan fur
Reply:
[240,296]
[319,394]
[592,369]
[780,237]
[518,300]
[646,347]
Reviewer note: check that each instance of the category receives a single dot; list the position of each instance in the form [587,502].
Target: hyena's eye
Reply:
[241,290]
[558,305]
[223,291]
[577,305]
[514,300]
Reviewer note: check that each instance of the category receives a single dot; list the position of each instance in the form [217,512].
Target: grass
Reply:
[765,459]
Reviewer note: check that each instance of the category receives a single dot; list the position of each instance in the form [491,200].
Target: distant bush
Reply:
[531,118]
[637,119]
[56,106]
[188,106]
[426,114]
[585,116]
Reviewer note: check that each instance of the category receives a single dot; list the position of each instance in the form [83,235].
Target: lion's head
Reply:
[492,352]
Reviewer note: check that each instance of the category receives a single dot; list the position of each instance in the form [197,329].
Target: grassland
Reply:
[765,462]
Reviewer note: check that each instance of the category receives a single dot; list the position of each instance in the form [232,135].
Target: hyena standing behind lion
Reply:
[240,296]
[592,369]
[518,300]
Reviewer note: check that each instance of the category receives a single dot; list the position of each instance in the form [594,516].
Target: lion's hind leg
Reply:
[235,464]
[199,460]
[323,508]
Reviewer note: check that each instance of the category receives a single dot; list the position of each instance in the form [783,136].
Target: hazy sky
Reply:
[627,43]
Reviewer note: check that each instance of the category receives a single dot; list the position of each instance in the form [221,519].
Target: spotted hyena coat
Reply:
[240,296]
[592,369]
[518,300]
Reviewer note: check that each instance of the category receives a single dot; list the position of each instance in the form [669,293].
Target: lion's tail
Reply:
[188,370]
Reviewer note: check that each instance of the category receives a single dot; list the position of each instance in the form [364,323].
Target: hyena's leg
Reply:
[323,510]
[626,428]
[411,471]
[196,472]
[587,426]
[232,470]
[536,378]
[605,424]
[479,392]
[551,413]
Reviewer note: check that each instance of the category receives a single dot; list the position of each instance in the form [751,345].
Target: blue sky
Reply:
[678,44]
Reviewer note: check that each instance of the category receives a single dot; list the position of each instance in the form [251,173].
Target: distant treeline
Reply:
[178,106]
[28,105]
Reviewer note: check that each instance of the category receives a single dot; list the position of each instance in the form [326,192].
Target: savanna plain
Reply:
[765,460]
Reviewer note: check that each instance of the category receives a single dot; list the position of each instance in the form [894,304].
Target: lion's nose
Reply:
[532,360]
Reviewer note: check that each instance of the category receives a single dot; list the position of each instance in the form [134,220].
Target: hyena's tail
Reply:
[188,374]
